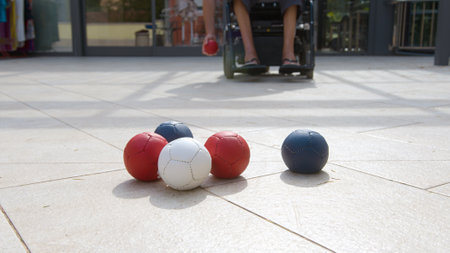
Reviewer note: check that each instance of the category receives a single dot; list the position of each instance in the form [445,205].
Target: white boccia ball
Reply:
[184,164]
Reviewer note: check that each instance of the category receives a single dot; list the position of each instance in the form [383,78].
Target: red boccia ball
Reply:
[211,47]
[230,154]
[141,155]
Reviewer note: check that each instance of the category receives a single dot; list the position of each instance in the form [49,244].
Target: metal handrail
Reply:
[410,30]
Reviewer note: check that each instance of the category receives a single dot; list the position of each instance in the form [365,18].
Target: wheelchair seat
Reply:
[267,28]
[264,15]
[266,11]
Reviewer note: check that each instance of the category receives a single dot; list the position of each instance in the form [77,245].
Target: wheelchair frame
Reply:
[304,46]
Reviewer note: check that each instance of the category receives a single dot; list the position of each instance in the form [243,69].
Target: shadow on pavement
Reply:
[134,189]
[228,186]
[173,199]
[305,180]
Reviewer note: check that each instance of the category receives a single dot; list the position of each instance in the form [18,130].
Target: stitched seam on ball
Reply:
[179,161]
[288,148]
[146,143]
[190,163]
[242,153]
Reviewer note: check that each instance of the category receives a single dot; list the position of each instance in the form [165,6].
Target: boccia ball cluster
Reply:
[182,162]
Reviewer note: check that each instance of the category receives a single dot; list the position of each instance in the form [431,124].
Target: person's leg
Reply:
[209,8]
[243,18]
[290,21]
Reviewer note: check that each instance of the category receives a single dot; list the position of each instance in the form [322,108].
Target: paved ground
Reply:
[65,121]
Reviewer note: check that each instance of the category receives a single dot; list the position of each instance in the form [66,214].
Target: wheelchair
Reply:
[267,28]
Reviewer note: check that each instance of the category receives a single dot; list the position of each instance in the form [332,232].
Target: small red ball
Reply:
[211,47]
[230,154]
[141,155]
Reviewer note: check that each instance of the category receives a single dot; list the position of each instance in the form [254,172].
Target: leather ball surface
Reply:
[141,155]
[184,164]
[230,154]
[172,130]
[305,151]
[211,47]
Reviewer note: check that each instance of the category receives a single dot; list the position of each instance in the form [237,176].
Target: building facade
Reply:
[175,27]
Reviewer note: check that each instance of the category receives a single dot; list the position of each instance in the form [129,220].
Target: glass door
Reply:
[144,27]
[118,23]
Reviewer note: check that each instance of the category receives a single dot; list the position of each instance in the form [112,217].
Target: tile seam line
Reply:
[436,186]
[270,221]
[390,180]
[416,144]
[15,229]
[62,121]
[437,106]
[61,179]
[391,127]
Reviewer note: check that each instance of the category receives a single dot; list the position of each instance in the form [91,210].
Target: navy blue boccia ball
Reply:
[172,130]
[305,151]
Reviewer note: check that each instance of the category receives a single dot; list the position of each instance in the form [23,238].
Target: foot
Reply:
[253,67]
[289,66]
[287,61]
[253,61]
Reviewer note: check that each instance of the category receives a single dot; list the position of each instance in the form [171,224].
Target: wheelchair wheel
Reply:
[228,61]
[310,74]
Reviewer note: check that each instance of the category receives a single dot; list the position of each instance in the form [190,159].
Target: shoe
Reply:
[289,66]
[252,67]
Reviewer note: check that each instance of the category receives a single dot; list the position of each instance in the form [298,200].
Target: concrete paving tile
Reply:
[348,211]
[361,147]
[56,143]
[263,161]
[432,133]
[344,146]
[274,137]
[357,118]
[9,243]
[422,174]
[426,96]
[29,135]
[221,119]
[110,212]
[443,189]
[16,174]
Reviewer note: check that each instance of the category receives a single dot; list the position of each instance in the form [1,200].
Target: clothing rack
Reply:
[16,27]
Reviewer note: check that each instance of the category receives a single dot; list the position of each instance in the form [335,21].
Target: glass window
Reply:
[53,28]
[118,22]
[343,25]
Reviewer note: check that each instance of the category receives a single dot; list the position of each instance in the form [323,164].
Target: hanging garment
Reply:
[12,25]
[20,21]
[5,32]
[2,11]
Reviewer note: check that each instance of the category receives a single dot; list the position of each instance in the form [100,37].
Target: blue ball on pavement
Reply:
[305,151]
[172,130]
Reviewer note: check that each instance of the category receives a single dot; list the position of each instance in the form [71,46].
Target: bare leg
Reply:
[246,29]
[209,7]
[290,21]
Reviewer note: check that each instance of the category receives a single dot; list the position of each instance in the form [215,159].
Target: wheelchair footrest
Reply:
[252,69]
